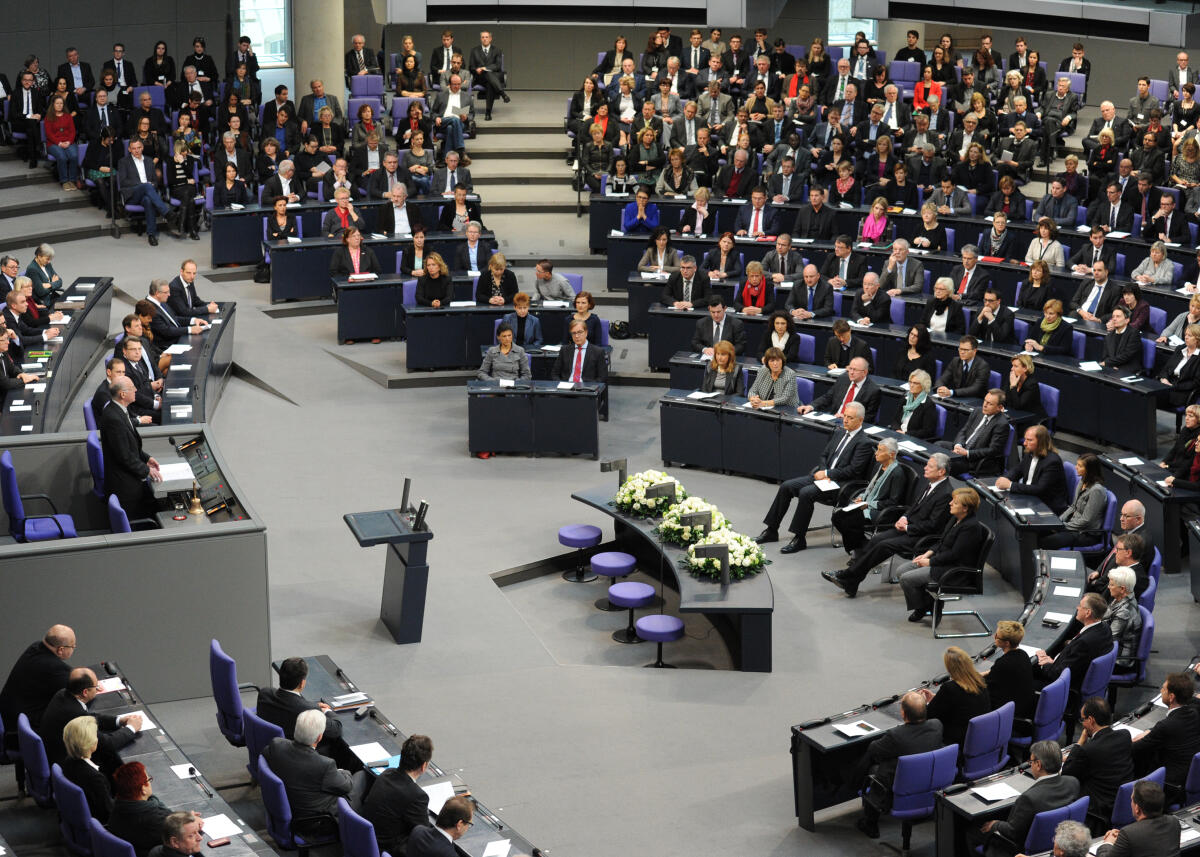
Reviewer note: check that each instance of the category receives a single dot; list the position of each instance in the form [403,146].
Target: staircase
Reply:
[35,209]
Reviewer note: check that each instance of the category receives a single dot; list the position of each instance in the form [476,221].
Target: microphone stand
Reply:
[662,489]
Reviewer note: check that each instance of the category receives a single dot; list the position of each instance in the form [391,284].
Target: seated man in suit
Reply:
[927,516]
[979,444]
[148,384]
[181,836]
[184,300]
[736,179]
[473,254]
[783,263]
[453,821]
[101,115]
[359,60]
[39,673]
[166,328]
[871,306]
[126,464]
[1151,833]
[1132,522]
[816,220]
[313,782]
[969,279]
[1058,205]
[311,104]
[76,699]
[1095,298]
[1166,224]
[1174,740]
[1077,653]
[812,297]
[902,275]
[402,216]
[756,218]
[284,183]
[284,704]
[719,325]
[960,544]
[916,734]
[847,456]
[446,178]
[787,185]
[687,286]
[1096,250]
[23,335]
[1122,344]
[396,805]
[1039,473]
[967,376]
[1112,213]
[1102,759]
[580,361]
[381,182]
[1050,790]
[843,268]
[951,200]
[114,367]
[1108,118]
[843,347]
[993,323]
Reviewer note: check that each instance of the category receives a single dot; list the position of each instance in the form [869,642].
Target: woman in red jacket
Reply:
[60,141]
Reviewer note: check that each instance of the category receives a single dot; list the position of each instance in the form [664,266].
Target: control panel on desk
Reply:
[218,501]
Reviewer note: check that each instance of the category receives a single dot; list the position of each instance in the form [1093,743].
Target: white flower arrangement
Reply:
[746,558]
[671,530]
[631,497]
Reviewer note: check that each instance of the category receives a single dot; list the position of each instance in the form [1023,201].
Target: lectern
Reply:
[405,571]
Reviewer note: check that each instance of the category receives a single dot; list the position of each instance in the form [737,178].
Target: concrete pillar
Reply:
[320,45]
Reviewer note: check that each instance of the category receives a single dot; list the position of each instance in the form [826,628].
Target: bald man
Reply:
[75,700]
[40,672]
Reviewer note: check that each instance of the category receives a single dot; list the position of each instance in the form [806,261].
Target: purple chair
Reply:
[1137,675]
[410,292]
[804,390]
[1148,355]
[1040,837]
[279,815]
[941,420]
[104,844]
[73,813]
[1095,680]
[1049,397]
[37,768]
[612,564]
[576,281]
[222,671]
[659,628]
[1146,599]
[580,537]
[1191,786]
[258,733]
[918,778]
[1078,343]
[630,594]
[806,352]
[985,747]
[1122,813]
[357,834]
[1158,317]
[1020,327]
[95,456]
[897,308]
[1047,723]
[35,528]
[362,85]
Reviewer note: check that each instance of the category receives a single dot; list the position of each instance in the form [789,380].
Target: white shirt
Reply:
[77,76]
[140,163]
[937,322]
[400,214]
[286,186]
[373,159]
[1187,355]
[453,103]
[120,64]
[1094,294]
[1033,463]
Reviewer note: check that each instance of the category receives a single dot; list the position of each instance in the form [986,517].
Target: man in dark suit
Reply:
[786,185]
[284,704]
[25,109]
[313,782]
[1047,792]
[184,301]
[486,64]
[359,60]
[925,517]
[101,115]
[979,444]
[855,385]
[113,367]
[916,734]
[816,220]
[1039,472]
[168,329]
[1122,344]
[279,102]
[1108,118]
[756,218]
[736,62]
[811,297]
[579,361]
[147,383]
[993,323]
[847,456]
[871,306]
[783,264]
[396,805]
[1151,833]
[243,54]
[311,103]
[719,325]
[40,672]
[843,268]
[1096,249]
[1132,523]
[22,335]
[1174,740]
[126,464]
[1111,213]
[1095,298]
[125,74]
[902,274]
[970,280]
[838,83]
[1077,653]
[231,153]
[843,347]
[402,216]
[180,93]
[80,79]
[390,174]
[441,56]
[453,822]
[737,178]
[1166,224]
[1102,759]
[959,546]
[687,287]
[75,700]
[968,375]
[135,172]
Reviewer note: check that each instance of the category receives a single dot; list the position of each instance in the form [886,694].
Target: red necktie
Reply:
[577,372]
[962,287]
[849,398]
[756,222]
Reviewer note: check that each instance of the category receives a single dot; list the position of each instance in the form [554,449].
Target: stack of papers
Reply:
[371,752]
[875,430]
[176,470]
[220,826]
[1062,563]
[994,792]
[1058,617]
[699,395]
[1132,461]
[549,304]
[439,793]
[1067,591]
[178,348]
[1090,366]
[291,238]
[462,303]
[855,729]
[363,278]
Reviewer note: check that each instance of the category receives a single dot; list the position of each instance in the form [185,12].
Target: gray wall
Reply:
[46,29]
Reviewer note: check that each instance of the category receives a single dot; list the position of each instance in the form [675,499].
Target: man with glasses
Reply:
[76,699]
[10,269]
[453,822]
[993,323]
[1133,520]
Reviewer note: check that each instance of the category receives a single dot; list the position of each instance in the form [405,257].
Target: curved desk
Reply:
[42,406]
[741,611]
[197,377]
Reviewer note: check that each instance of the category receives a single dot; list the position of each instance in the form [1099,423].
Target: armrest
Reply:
[925,542]
[956,576]
[43,497]
[849,490]
[61,532]
[143,524]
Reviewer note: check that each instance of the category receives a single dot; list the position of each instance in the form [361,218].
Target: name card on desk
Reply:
[803,240]
[856,729]
[736,200]
[15,408]
[292,239]
[1062,563]
[473,273]
[1024,512]
[181,411]
[73,299]
[507,382]
[995,792]
[55,339]
[85,286]
[177,391]
[462,303]
[31,367]
[40,387]
[181,367]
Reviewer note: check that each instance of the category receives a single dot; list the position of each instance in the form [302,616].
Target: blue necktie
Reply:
[1096,300]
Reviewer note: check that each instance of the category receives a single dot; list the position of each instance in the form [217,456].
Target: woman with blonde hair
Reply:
[964,696]
[80,739]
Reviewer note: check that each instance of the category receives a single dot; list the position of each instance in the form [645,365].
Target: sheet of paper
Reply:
[66,319]
[439,793]
[363,278]
[565,385]
[750,405]
[184,771]
[852,507]
[1023,512]
[220,826]
[826,484]
[616,233]
[1175,342]
[995,792]
[179,392]
[39,387]
[803,240]
[147,724]
[1132,461]
[855,729]
[1188,834]
[85,286]
[1029,650]
[875,430]
[1090,366]
[701,395]
[549,304]
[507,382]
[1068,591]
[26,428]
[1062,563]
[18,408]
[1058,617]
[836,372]
[1118,234]
[108,685]
[497,848]
[178,348]
[371,752]
[472,273]
[1132,730]
[237,206]
[1069,320]
[462,303]
[553,348]
[379,235]
[181,367]
[176,470]
[291,238]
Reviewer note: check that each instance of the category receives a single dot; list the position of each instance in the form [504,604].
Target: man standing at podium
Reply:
[126,464]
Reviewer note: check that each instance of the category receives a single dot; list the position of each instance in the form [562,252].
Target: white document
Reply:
[499,848]
[291,238]
[108,685]
[85,286]
[1132,461]
[996,791]
[26,428]
[379,235]
[552,348]
[73,299]
[820,416]
[1132,730]
[749,405]
[852,507]
[439,793]
[1083,227]
[1062,563]
[1069,591]
[1029,650]
[803,240]
[178,348]
[177,391]
[565,385]
[147,725]
[1090,366]
[220,826]
[181,367]
[1023,512]
[836,371]
[462,303]
[845,205]
[66,319]
[548,304]
[1188,834]
[19,408]
[855,729]
[616,233]
[1058,617]
[184,771]
[364,278]
[826,484]
[1175,342]
[1069,320]
[507,382]
[736,201]
[39,387]
[1006,155]
[700,395]
[176,470]
[236,206]
[1116,234]
[472,273]
[875,430]
[55,339]
[371,752]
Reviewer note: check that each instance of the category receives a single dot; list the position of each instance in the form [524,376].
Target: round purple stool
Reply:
[579,536]
[631,594]
[659,628]
[612,564]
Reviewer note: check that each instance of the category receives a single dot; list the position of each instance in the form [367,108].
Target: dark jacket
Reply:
[923,422]
[313,782]
[960,546]
[396,805]
[1158,836]
[139,822]
[1077,655]
[1011,680]
[1049,481]
[94,784]
[955,323]
[961,382]
[985,453]
[954,707]
[1102,764]
[838,355]
[904,740]
[1047,793]
[37,675]
[868,396]
[733,385]
[1123,350]
[1171,743]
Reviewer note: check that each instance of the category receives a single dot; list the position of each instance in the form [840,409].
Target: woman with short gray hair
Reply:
[47,285]
[1124,620]
[886,489]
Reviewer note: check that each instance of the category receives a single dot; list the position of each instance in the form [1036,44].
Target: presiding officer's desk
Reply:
[376,308]
[186,582]
[1132,478]
[741,611]
[196,378]
[451,337]
[62,364]
[300,269]
[534,417]
[159,752]
[823,758]
[377,739]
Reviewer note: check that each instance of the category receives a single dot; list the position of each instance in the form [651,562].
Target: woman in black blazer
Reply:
[1052,335]
[1011,677]
[80,740]
[728,270]
[412,258]
[1183,451]
[699,213]
[280,224]
[1021,391]
[919,408]
[581,114]
[780,333]
[435,289]
[496,282]
[353,257]
[457,214]
[230,189]
[724,360]
[942,306]
[918,355]
[1182,372]
[612,59]
[964,696]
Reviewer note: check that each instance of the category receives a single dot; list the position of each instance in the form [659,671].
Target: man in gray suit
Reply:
[1179,74]
[1151,832]
[979,444]
[456,67]
[715,119]
[903,276]
[1050,790]
[313,782]
[446,178]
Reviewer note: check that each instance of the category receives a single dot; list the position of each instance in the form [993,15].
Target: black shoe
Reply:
[834,578]
[916,616]
[867,828]
[767,536]
[153,239]
[487,116]
[33,163]
[795,545]
[194,235]
[508,100]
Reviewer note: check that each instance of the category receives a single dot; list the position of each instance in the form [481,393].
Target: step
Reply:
[54,227]
[23,200]
[16,173]
[517,146]
[531,171]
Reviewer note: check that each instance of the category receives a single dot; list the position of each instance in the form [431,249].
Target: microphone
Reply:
[193,773]
[378,718]
[109,668]
[344,679]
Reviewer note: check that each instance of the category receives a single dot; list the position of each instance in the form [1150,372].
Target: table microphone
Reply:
[193,773]
[349,685]
[378,718]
